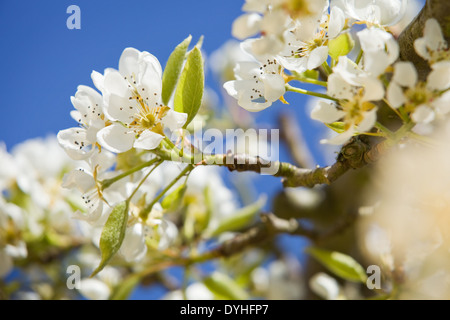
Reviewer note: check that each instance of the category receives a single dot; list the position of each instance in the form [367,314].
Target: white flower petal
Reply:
[423,114]
[95,210]
[376,62]
[246,70]
[326,112]
[341,138]
[79,179]
[339,88]
[274,86]
[373,89]
[246,26]
[148,140]
[129,62]
[274,22]
[116,138]
[98,79]
[266,46]
[151,79]
[133,247]
[405,74]
[442,104]
[439,77]
[230,88]
[369,120]
[324,286]
[114,83]
[317,57]
[94,289]
[72,140]
[168,234]
[420,45]
[336,23]
[120,108]
[395,95]
[433,35]
[174,120]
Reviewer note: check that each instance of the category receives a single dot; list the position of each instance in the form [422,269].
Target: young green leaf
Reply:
[173,69]
[224,287]
[239,219]
[173,199]
[340,46]
[189,92]
[338,127]
[340,264]
[113,234]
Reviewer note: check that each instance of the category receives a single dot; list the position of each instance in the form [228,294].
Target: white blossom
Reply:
[432,46]
[80,142]
[425,100]
[355,90]
[132,98]
[306,45]
[257,86]
[378,12]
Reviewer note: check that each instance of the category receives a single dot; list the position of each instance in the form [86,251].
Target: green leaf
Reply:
[338,127]
[340,46]
[126,287]
[189,92]
[224,288]
[310,74]
[199,43]
[173,199]
[173,69]
[340,264]
[113,234]
[240,219]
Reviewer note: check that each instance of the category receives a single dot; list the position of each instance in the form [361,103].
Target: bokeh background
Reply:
[42,62]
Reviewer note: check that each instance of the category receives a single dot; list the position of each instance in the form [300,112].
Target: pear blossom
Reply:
[377,12]
[133,247]
[356,90]
[424,100]
[257,86]
[307,43]
[80,142]
[271,19]
[432,46]
[88,182]
[94,289]
[380,50]
[12,222]
[132,99]
[325,286]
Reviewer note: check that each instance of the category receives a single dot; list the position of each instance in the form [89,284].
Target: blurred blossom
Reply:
[324,286]
[407,234]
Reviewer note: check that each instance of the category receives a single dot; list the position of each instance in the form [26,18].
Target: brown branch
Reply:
[438,9]
[353,155]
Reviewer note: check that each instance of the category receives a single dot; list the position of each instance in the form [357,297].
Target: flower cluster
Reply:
[126,114]
[295,39]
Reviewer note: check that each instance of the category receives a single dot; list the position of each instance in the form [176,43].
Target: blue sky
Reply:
[42,61]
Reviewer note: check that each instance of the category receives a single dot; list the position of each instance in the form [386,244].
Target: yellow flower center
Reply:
[355,110]
[297,8]
[417,96]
